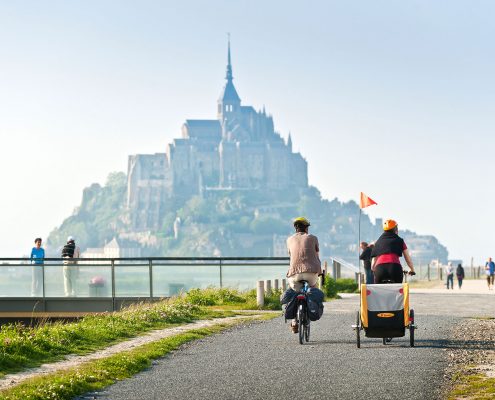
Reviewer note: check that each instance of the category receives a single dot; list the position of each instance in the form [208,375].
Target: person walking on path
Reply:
[366,258]
[490,273]
[449,272]
[37,261]
[305,264]
[460,274]
[69,251]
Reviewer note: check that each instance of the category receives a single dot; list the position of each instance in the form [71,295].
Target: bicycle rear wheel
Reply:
[307,330]
[300,322]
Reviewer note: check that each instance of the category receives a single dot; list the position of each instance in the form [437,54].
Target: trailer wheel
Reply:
[358,330]
[411,328]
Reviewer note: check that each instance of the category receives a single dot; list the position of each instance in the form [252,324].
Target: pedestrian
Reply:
[70,251]
[366,257]
[37,261]
[490,273]
[449,271]
[460,274]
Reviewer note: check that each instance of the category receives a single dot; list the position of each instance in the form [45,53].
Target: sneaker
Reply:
[294,328]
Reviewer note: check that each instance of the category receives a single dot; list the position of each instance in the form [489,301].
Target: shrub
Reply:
[212,297]
[330,287]
[346,285]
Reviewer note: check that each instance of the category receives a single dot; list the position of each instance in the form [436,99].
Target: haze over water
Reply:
[391,98]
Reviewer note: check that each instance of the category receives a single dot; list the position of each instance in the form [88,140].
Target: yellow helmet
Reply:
[389,224]
[301,220]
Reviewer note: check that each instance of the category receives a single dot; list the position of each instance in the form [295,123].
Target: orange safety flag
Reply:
[366,201]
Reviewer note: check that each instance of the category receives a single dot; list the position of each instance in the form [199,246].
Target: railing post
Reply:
[284,285]
[275,284]
[43,281]
[112,262]
[221,277]
[428,271]
[268,286]
[151,278]
[260,294]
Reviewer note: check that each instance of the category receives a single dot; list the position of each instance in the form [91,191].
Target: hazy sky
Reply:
[391,98]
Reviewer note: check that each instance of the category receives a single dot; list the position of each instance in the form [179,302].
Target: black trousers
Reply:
[389,272]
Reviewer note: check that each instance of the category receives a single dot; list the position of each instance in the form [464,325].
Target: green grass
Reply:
[233,297]
[23,347]
[473,387]
[98,374]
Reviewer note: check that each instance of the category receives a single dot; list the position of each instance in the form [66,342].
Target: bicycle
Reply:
[302,315]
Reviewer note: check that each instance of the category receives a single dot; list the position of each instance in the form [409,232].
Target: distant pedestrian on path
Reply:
[449,272]
[366,258]
[460,274]
[37,260]
[490,273]
[69,251]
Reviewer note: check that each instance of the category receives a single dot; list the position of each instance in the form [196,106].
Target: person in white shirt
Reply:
[449,272]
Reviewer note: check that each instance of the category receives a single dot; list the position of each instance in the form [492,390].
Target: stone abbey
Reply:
[239,150]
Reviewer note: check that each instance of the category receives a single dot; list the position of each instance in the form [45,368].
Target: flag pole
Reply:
[359,245]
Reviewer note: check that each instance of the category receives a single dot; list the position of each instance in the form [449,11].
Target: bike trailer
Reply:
[385,310]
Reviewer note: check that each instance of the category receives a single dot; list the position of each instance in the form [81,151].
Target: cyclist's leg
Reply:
[397,273]
[381,273]
[294,282]
[309,277]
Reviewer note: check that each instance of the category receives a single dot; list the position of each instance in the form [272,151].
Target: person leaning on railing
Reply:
[305,262]
[37,257]
[70,250]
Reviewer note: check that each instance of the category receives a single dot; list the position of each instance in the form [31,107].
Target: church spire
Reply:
[229,103]
[229,76]
[289,142]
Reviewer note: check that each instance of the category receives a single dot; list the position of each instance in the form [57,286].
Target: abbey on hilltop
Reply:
[239,150]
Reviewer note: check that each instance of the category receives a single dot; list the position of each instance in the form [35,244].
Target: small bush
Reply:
[214,297]
[346,285]
[330,287]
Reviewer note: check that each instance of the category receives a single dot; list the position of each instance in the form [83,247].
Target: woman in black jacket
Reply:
[460,274]
[386,253]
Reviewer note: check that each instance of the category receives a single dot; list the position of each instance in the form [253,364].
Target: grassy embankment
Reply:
[23,347]
[98,374]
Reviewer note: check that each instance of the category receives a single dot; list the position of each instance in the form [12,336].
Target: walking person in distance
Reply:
[490,273]
[460,274]
[449,272]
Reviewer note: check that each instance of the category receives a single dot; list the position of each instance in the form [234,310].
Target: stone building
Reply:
[240,149]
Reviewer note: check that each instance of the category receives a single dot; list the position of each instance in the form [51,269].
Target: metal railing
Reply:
[132,277]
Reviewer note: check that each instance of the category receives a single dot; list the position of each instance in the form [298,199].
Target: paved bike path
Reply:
[264,361]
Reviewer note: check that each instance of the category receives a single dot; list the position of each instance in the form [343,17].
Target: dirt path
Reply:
[75,360]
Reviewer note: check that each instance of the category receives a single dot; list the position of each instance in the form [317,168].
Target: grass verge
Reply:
[473,387]
[24,347]
[96,375]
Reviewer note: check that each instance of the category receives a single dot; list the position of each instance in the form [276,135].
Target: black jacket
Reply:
[388,242]
[366,257]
